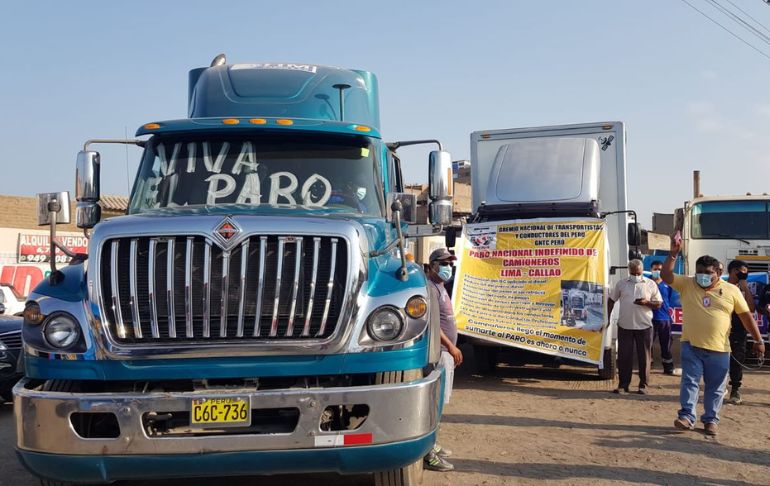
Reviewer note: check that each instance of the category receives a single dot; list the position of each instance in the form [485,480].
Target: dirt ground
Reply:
[544,426]
[536,425]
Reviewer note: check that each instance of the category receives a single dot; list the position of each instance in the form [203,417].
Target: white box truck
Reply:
[549,236]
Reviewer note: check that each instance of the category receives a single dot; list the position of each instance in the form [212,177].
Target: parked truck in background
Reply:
[727,228]
[254,312]
[557,173]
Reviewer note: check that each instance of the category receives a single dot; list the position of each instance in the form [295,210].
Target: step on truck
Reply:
[549,235]
[254,311]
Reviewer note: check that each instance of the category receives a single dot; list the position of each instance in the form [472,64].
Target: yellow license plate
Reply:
[221,412]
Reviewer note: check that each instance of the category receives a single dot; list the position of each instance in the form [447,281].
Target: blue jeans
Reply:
[713,367]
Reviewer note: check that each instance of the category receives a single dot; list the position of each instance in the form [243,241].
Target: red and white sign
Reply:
[37,248]
[338,440]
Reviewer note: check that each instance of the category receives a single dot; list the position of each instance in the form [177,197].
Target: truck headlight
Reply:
[385,324]
[61,331]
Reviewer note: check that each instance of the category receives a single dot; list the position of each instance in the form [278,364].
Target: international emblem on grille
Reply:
[226,231]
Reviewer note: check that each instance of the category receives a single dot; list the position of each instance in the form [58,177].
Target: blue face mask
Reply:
[655,274]
[445,273]
[703,279]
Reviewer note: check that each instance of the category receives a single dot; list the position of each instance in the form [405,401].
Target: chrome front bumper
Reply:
[397,412]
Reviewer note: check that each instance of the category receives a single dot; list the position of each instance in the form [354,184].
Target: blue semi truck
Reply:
[254,312]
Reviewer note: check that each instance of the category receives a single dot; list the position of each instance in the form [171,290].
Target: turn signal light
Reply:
[361,128]
[231,121]
[152,126]
[284,121]
[416,307]
[32,314]
[257,121]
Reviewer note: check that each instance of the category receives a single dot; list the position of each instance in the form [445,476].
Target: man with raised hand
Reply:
[707,306]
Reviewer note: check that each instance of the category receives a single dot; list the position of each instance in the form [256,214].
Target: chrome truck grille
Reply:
[180,289]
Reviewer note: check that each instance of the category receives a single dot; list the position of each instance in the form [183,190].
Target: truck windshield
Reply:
[278,170]
[730,220]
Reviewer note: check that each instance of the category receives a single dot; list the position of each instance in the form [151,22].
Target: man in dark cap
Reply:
[439,272]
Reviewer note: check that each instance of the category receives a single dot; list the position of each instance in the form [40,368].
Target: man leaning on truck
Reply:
[439,272]
[707,305]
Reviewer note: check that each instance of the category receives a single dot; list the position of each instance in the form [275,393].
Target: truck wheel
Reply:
[485,358]
[410,475]
[608,372]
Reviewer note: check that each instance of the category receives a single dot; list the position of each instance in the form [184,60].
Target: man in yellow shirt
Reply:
[707,305]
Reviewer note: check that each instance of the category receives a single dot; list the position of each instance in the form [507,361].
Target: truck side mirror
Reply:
[634,234]
[679,219]
[408,206]
[49,203]
[87,189]
[440,188]
[450,237]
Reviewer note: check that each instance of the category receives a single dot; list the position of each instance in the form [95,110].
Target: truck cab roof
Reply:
[284,90]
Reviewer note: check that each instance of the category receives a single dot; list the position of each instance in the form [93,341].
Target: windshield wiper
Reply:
[731,237]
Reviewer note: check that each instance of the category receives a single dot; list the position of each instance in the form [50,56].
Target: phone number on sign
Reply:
[42,258]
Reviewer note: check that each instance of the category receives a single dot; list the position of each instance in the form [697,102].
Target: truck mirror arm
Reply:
[636,222]
[402,271]
[395,145]
[140,143]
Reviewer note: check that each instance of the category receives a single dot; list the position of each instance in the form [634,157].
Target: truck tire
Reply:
[485,358]
[6,394]
[608,372]
[412,474]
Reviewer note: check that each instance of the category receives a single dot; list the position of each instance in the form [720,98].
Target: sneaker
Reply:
[710,429]
[642,390]
[669,372]
[434,462]
[683,424]
[735,397]
[440,451]
[620,391]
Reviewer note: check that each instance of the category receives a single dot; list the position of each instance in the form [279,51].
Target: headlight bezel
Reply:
[75,326]
[390,310]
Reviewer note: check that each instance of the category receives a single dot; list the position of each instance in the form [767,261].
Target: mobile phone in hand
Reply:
[678,237]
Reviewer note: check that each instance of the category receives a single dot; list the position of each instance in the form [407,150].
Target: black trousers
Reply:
[632,342]
[738,337]
[662,333]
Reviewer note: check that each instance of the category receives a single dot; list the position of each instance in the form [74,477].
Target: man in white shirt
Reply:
[637,296]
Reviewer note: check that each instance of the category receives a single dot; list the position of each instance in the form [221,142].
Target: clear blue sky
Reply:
[693,97]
